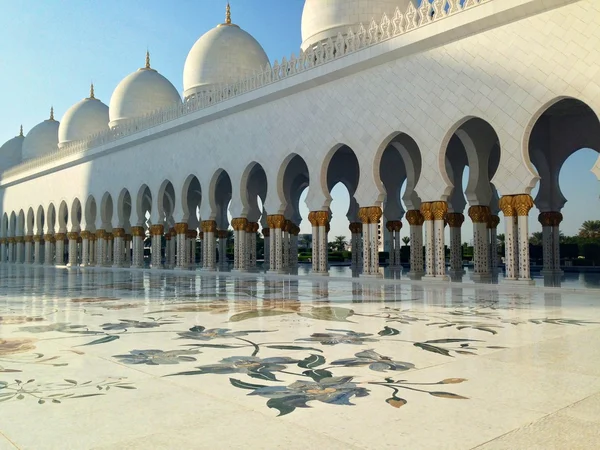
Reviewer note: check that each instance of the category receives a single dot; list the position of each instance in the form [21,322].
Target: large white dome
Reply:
[225,54]
[11,152]
[323,19]
[41,139]
[141,93]
[83,119]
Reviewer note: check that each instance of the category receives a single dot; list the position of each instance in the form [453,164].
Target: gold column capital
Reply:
[322,218]
[427,211]
[209,226]
[192,234]
[312,218]
[507,205]
[493,222]
[110,236]
[523,204]
[157,230]
[479,214]
[222,234]
[38,238]
[60,236]
[181,228]
[414,217]
[550,219]
[266,232]
[85,234]
[276,221]
[455,220]
[28,238]
[138,231]
[439,210]
[201,235]
[118,232]
[100,234]
[73,235]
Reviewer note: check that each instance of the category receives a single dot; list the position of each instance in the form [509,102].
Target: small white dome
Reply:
[324,19]
[83,119]
[225,54]
[41,139]
[11,152]
[141,93]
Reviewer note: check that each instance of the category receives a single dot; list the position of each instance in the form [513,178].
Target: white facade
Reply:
[416,97]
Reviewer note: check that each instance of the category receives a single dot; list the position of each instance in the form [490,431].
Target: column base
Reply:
[371,275]
[457,273]
[156,267]
[320,274]
[72,266]
[435,278]
[415,275]
[181,269]
[518,282]
[552,272]
[208,269]
[481,277]
[117,266]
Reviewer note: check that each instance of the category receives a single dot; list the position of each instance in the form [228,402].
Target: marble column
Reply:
[110,245]
[370,217]
[355,244]
[415,219]
[551,242]
[93,249]
[427,213]
[138,234]
[440,211]
[128,241]
[455,222]
[251,230]
[60,249]
[295,231]
[209,228]
[28,249]
[49,249]
[492,226]
[19,241]
[523,204]
[222,235]
[286,236]
[73,236]
[3,250]
[323,225]
[239,243]
[266,232]
[119,247]
[312,218]
[37,249]
[156,232]
[397,244]
[181,236]
[167,249]
[85,248]
[391,244]
[172,248]
[480,215]
[276,222]
[192,235]
[507,207]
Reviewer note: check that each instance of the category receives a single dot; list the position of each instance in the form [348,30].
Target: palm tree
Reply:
[306,240]
[406,240]
[501,238]
[340,243]
[590,229]
[536,238]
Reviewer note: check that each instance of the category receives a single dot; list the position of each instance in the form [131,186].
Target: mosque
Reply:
[382,94]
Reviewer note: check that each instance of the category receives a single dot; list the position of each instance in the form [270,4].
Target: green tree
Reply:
[406,240]
[536,238]
[590,229]
[340,243]
[306,240]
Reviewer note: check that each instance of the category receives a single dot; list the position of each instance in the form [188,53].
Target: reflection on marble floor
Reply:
[357,364]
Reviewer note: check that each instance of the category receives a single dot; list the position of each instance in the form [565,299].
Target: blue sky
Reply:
[51,50]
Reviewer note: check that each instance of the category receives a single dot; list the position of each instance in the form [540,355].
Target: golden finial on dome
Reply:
[147,59]
[51,113]
[92,90]
[228,14]
[21,131]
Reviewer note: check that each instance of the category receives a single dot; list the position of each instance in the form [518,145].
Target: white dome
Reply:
[141,93]
[41,139]
[11,152]
[225,54]
[323,19]
[83,119]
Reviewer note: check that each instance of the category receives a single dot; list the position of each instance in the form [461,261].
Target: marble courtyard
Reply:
[123,324]
[138,359]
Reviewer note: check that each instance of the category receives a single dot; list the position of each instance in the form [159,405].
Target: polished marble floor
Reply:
[137,360]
